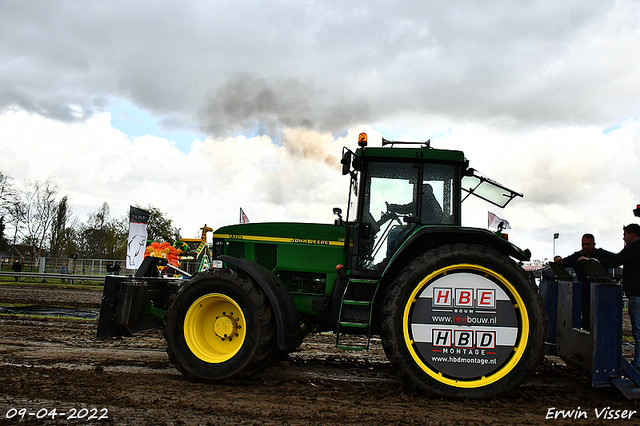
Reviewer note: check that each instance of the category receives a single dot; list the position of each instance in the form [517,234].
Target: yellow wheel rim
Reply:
[520,312]
[214,328]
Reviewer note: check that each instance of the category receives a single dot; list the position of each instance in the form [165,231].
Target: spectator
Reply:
[17,267]
[590,251]
[110,268]
[629,258]
[64,271]
[116,269]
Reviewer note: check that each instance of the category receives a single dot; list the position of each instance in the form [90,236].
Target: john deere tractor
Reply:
[456,315]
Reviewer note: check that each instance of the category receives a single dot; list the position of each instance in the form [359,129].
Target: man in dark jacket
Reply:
[590,251]
[17,267]
[629,258]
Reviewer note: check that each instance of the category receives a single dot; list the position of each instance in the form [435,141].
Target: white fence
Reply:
[84,266]
[94,267]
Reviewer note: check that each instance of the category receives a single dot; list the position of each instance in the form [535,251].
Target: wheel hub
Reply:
[226,326]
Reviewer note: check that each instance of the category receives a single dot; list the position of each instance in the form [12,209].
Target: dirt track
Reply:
[59,364]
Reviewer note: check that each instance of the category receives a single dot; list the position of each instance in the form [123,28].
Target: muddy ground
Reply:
[57,363]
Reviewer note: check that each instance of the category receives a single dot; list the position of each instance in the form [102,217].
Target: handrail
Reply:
[99,278]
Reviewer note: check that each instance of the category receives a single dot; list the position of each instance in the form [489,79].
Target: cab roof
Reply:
[420,153]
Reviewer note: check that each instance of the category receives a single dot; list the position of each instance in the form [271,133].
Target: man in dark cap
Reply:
[629,258]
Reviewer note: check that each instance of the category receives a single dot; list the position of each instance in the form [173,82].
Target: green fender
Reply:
[288,334]
[429,237]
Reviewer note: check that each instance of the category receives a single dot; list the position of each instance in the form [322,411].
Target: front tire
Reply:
[463,321]
[220,326]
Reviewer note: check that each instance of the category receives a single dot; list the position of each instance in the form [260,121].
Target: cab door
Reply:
[388,211]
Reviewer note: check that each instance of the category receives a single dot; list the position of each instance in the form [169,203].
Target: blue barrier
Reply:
[599,348]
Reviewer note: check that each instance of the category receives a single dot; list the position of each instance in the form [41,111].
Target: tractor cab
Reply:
[398,191]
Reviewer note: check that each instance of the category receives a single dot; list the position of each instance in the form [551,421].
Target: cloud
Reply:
[267,93]
[574,180]
[94,163]
[258,67]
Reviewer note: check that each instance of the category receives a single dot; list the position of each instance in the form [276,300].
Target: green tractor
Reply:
[456,314]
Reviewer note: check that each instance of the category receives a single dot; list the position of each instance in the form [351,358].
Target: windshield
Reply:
[488,190]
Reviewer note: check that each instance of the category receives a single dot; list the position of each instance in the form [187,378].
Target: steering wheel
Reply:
[389,214]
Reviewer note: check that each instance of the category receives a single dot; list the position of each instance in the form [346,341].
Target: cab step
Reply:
[353,331]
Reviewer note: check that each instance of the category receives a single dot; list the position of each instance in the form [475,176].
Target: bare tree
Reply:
[35,211]
[7,193]
[4,243]
[7,196]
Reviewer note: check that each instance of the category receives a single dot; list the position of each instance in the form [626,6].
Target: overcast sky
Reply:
[200,108]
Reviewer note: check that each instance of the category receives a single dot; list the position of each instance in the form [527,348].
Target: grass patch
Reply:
[91,285]
[35,316]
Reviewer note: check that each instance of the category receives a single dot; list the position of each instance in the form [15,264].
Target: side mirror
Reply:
[346,162]
[338,211]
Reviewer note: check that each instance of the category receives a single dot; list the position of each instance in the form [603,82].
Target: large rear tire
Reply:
[463,321]
[220,326]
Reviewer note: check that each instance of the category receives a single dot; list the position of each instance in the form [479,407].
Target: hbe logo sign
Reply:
[464,298]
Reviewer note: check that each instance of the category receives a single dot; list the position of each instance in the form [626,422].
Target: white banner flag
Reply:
[495,221]
[137,241]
